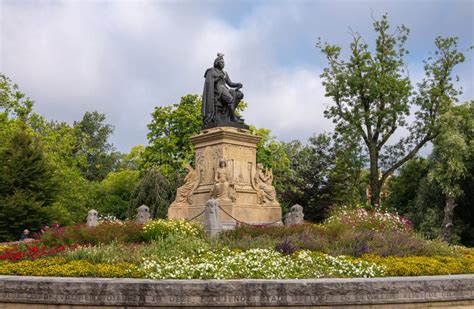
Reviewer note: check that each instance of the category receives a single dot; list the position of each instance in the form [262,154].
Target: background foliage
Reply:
[54,172]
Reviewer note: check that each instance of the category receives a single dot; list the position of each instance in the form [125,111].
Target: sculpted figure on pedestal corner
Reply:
[220,98]
[263,179]
[184,193]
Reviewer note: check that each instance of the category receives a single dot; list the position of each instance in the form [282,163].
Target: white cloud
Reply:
[291,103]
[125,57]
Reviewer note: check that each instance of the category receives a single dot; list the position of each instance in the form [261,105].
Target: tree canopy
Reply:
[373,96]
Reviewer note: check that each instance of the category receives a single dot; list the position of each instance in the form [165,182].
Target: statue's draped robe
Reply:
[208,108]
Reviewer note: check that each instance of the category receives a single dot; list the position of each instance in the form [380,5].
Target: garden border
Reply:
[242,292]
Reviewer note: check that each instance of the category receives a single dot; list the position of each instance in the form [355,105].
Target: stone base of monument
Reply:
[395,292]
[226,169]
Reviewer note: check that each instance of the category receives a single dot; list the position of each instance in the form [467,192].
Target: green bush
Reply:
[115,252]
[335,238]
[104,233]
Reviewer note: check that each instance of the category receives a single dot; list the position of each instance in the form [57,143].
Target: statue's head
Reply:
[92,213]
[219,61]
[260,166]
[222,163]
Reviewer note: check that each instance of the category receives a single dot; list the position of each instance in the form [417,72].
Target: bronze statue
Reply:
[219,102]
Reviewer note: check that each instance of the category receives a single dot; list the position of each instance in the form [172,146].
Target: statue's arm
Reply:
[231,83]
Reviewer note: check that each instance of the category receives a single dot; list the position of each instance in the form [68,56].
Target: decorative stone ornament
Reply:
[263,184]
[295,216]
[92,218]
[211,221]
[184,193]
[143,214]
[226,170]
[225,164]
[223,189]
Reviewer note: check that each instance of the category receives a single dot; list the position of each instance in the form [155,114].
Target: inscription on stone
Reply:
[240,292]
[233,299]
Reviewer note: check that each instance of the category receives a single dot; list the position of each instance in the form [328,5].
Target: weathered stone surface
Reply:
[215,293]
[185,192]
[143,214]
[211,222]
[295,215]
[226,169]
[92,218]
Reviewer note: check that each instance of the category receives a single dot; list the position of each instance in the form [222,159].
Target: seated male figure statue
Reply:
[219,101]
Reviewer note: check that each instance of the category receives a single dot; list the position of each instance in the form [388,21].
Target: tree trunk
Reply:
[448,218]
[376,189]
[374,181]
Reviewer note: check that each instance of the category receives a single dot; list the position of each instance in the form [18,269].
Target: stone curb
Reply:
[248,292]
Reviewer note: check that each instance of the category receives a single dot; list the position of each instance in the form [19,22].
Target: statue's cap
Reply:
[218,59]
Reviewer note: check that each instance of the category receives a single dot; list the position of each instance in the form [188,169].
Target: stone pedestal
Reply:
[226,169]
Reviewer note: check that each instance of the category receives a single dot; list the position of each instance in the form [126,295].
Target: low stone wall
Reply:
[46,292]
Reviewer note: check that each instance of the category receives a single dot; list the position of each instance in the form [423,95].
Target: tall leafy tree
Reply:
[92,135]
[373,96]
[452,156]
[324,172]
[170,129]
[27,186]
[132,160]
[404,187]
[115,191]
[13,101]
[155,191]
[75,194]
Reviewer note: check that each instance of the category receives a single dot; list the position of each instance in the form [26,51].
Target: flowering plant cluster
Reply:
[258,264]
[5,246]
[126,231]
[376,220]
[60,267]
[109,219]
[424,265]
[160,228]
[30,251]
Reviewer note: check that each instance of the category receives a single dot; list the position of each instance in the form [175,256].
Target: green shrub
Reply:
[171,246]
[104,233]
[335,238]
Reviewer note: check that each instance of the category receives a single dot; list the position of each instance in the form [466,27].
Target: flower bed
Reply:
[157,229]
[373,220]
[423,265]
[30,251]
[60,267]
[352,243]
[258,263]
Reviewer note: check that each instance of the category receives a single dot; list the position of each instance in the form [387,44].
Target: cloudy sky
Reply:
[123,58]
